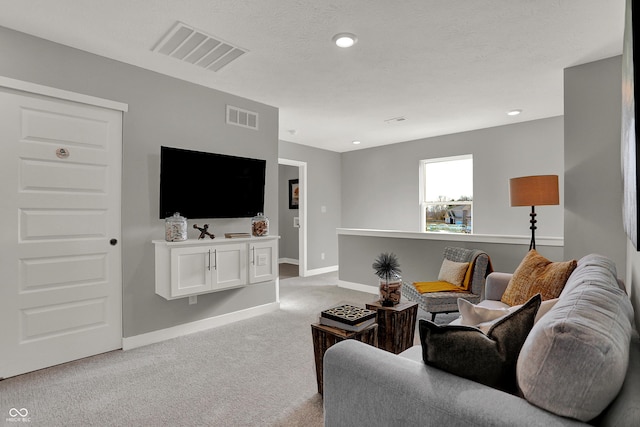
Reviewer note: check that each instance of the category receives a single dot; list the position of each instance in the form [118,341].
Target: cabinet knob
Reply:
[113,242]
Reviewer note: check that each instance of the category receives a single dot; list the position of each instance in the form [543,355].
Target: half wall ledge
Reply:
[420,254]
[451,237]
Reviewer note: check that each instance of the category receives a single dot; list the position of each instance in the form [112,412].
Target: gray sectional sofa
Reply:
[579,364]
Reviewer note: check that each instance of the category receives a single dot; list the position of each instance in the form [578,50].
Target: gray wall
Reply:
[162,111]
[380,185]
[593,181]
[323,189]
[288,233]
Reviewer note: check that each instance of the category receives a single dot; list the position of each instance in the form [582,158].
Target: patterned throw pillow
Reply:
[467,352]
[537,275]
[453,272]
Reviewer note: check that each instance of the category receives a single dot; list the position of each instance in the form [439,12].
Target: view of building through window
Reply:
[447,198]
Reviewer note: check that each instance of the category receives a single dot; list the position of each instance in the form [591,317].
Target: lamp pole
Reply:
[533,221]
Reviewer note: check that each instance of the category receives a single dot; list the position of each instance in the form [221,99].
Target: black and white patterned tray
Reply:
[349,314]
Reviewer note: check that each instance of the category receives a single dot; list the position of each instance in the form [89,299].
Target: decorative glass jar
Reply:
[175,228]
[390,291]
[259,225]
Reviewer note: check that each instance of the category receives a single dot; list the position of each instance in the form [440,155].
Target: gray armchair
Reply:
[447,302]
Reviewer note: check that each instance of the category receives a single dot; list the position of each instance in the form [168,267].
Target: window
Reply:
[446,194]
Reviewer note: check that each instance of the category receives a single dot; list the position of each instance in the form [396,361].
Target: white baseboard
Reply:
[358,287]
[322,270]
[288,261]
[129,343]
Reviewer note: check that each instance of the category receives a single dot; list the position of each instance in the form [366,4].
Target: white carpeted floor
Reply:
[256,372]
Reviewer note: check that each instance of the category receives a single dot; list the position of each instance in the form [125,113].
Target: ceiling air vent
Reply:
[196,47]
[244,118]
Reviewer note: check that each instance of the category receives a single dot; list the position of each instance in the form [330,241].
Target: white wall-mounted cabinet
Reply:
[196,267]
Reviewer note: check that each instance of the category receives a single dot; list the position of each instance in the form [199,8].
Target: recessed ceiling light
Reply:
[513,112]
[355,142]
[345,39]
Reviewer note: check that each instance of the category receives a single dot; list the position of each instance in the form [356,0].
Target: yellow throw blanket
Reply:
[424,287]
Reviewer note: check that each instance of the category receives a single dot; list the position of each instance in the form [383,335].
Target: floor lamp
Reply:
[538,190]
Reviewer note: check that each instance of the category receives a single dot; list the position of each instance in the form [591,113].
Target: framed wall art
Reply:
[294,194]
[629,132]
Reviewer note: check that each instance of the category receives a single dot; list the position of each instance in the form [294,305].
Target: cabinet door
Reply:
[229,268]
[191,270]
[263,261]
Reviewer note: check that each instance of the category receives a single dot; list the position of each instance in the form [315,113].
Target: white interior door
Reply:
[60,256]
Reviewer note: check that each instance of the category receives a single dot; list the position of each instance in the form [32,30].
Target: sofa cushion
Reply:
[574,361]
[466,351]
[453,272]
[591,267]
[537,275]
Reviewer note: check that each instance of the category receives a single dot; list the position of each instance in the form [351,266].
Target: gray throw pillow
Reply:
[467,352]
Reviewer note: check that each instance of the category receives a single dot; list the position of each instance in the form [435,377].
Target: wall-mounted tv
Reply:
[202,185]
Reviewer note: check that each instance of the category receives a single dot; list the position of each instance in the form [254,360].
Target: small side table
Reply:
[326,336]
[396,325]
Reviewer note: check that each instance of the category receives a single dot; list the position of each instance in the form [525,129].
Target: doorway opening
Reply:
[295,215]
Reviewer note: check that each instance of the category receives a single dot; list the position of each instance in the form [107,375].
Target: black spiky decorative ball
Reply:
[386,266]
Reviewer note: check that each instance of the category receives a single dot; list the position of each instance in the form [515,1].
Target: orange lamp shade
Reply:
[537,190]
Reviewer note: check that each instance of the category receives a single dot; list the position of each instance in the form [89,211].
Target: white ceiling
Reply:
[446,66]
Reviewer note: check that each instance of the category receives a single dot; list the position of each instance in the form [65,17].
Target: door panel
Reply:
[38,224]
[72,126]
[38,176]
[57,319]
[40,273]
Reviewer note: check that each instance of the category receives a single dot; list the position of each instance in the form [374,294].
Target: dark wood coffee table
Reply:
[396,325]
[326,336]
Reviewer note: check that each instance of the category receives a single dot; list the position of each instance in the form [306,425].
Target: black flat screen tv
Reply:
[202,185]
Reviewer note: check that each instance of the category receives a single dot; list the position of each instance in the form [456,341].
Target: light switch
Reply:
[323,209]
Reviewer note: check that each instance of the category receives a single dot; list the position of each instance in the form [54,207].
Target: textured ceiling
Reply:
[446,66]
